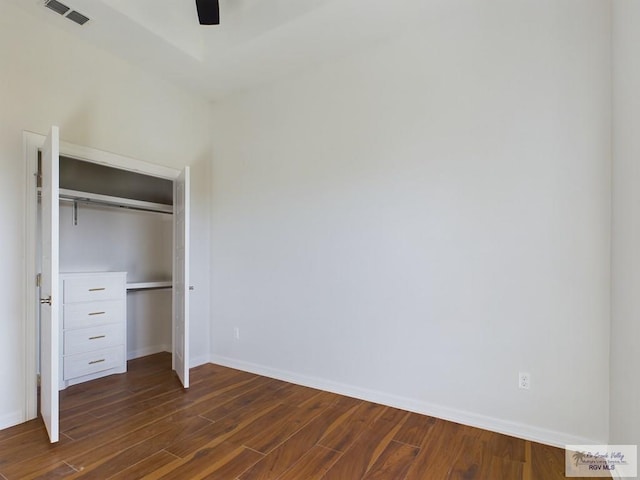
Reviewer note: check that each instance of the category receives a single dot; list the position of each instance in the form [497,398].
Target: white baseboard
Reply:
[514,429]
[143,352]
[197,361]
[11,419]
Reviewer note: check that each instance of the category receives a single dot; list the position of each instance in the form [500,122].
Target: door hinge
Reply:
[38,280]
[38,379]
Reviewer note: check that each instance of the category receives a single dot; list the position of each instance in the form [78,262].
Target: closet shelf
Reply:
[88,197]
[149,285]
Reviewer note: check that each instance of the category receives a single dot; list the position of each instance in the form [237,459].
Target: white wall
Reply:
[625,337]
[139,243]
[418,223]
[48,77]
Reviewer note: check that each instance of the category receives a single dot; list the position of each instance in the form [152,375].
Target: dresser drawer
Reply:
[95,338]
[94,288]
[82,315]
[92,362]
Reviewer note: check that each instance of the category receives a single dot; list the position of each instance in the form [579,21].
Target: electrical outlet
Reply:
[524,380]
[236,333]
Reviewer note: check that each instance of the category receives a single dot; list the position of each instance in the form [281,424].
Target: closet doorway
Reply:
[44,296]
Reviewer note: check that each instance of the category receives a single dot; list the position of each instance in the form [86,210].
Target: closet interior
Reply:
[115,263]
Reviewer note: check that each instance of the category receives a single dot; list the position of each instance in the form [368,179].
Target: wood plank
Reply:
[526,472]
[499,467]
[415,429]
[469,459]
[97,465]
[141,413]
[62,470]
[294,448]
[235,465]
[100,443]
[505,446]
[27,428]
[209,463]
[343,436]
[109,405]
[241,398]
[218,432]
[68,423]
[437,453]
[296,394]
[313,465]
[264,427]
[145,467]
[283,428]
[394,462]
[362,455]
[25,447]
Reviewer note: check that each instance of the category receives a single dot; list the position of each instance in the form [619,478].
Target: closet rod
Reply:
[113,204]
[109,201]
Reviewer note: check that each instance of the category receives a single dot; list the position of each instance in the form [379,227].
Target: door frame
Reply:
[31,143]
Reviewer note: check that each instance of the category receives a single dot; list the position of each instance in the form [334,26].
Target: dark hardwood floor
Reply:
[235,425]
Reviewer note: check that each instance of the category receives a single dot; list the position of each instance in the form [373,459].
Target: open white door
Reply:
[49,331]
[181,276]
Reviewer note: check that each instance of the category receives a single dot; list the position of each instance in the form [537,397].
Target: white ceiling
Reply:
[257,40]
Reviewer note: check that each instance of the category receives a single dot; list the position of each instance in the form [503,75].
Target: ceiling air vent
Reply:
[77,17]
[57,7]
[66,11]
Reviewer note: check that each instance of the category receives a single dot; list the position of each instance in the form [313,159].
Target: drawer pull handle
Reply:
[97,337]
[96,361]
[97,289]
[97,313]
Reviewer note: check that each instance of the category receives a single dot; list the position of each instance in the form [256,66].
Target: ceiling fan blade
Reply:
[208,12]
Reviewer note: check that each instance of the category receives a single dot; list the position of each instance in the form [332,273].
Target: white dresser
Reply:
[93,326]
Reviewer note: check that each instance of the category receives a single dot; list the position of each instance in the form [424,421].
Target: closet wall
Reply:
[139,243]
